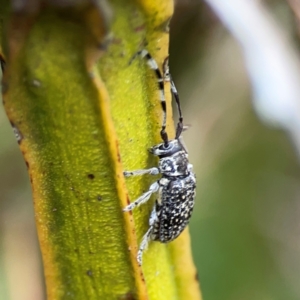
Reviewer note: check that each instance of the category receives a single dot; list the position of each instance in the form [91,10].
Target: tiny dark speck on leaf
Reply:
[91,176]
[128,296]
[99,198]
[89,273]
[139,28]
[118,153]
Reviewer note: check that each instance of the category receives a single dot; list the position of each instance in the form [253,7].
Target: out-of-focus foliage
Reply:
[245,225]
[244,230]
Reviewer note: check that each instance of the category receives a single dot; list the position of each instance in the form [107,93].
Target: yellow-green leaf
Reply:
[83,114]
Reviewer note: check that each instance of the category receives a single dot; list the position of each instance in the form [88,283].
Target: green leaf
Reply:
[82,115]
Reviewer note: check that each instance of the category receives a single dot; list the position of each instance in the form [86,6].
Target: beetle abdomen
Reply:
[175,209]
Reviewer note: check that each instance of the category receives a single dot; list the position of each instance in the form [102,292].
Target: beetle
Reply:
[176,189]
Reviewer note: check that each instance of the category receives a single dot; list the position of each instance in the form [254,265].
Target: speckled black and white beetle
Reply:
[176,189]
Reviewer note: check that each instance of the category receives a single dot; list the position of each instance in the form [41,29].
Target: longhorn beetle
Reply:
[176,189]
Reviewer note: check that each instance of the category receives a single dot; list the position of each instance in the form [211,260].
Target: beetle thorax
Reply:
[175,164]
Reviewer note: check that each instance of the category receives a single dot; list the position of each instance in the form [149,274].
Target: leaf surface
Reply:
[82,115]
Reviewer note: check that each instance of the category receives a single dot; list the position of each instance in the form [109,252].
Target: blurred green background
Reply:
[245,228]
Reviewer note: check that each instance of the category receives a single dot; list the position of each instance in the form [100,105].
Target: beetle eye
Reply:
[165,147]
